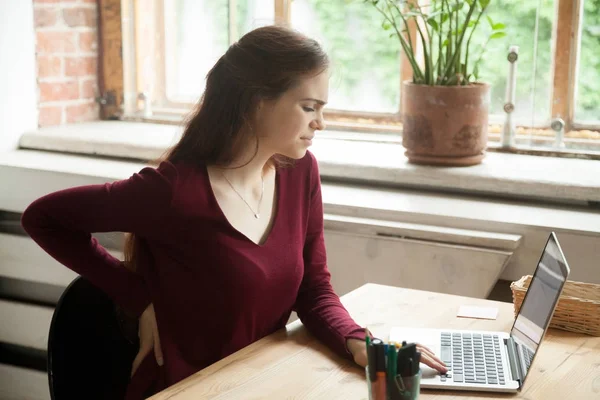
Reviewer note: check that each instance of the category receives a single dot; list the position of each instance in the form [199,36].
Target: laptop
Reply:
[496,361]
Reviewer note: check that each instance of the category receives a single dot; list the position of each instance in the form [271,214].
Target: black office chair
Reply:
[91,345]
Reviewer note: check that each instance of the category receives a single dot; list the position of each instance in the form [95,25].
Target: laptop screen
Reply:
[540,300]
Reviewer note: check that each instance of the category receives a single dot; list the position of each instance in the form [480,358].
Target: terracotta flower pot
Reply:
[445,125]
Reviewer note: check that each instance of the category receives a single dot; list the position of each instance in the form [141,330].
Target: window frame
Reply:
[116,104]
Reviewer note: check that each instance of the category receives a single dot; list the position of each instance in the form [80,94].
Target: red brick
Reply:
[81,66]
[50,115]
[88,88]
[88,41]
[83,112]
[49,66]
[75,17]
[44,17]
[57,91]
[56,42]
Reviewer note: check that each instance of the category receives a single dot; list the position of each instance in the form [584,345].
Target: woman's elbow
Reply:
[31,219]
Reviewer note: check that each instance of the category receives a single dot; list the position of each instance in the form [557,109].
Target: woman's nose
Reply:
[318,124]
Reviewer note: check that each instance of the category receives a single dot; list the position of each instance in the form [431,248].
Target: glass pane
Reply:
[197,34]
[252,14]
[365,60]
[587,107]
[534,68]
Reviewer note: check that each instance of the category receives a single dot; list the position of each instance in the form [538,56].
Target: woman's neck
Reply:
[248,169]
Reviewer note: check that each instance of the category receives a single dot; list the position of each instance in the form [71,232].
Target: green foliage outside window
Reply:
[340,21]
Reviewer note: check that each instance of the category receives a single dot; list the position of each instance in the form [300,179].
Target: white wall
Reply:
[18,88]
[18,113]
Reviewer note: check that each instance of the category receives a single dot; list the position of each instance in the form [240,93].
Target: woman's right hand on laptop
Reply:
[431,360]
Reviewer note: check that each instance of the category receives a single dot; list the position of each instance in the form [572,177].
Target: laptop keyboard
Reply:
[472,358]
[526,355]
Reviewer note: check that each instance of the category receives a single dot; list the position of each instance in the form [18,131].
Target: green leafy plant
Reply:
[444,29]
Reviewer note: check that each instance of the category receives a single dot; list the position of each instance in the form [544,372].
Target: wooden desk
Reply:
[291,364]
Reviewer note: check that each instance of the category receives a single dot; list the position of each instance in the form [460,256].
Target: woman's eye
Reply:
[308,109]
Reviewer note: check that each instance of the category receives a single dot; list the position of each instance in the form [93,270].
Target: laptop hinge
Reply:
[514,360]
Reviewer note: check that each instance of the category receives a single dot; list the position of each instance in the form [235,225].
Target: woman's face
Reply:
[287,125]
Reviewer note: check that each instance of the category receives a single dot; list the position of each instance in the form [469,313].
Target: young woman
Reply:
[227,232]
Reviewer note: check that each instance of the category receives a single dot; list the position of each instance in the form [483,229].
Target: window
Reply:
[587,109]
[365,61]
[529,28]
[197,33]
[177,44]
[169,46]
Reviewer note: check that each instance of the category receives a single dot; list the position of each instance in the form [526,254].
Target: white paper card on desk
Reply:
[477,312]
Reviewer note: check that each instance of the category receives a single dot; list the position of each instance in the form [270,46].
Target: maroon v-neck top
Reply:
[214,291]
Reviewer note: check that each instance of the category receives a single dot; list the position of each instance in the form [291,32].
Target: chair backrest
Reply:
[89,357]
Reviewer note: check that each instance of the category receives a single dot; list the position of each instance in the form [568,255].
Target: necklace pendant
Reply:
[262,192]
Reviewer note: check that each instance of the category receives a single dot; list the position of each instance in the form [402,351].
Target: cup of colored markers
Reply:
[393,371]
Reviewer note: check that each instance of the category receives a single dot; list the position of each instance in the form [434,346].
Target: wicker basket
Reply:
[578,308]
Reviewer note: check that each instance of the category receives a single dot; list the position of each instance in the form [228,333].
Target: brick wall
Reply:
[67,60]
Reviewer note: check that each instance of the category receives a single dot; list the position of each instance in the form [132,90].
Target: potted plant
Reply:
[444,107]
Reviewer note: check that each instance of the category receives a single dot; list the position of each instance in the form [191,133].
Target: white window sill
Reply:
[382,163]
[29,174]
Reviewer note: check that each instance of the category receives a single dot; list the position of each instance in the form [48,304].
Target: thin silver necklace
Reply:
[262,192]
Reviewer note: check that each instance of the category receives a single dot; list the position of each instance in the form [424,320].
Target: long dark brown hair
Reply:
[262,65]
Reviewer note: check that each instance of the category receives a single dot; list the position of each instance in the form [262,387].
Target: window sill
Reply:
[504,175]
[359,160]
[30,174]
